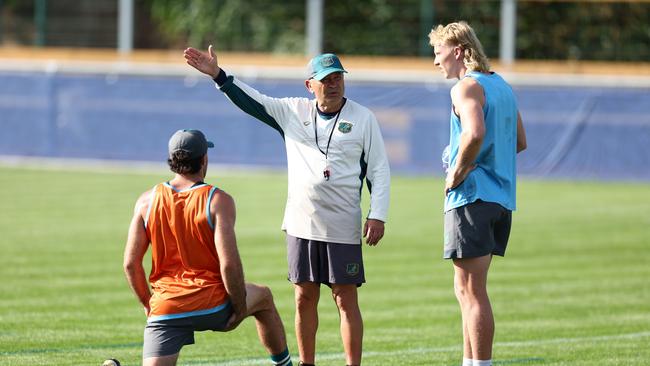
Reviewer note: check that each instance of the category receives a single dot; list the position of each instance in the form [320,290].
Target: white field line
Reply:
[432,350]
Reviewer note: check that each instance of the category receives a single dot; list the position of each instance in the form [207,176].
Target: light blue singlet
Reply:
[494,179]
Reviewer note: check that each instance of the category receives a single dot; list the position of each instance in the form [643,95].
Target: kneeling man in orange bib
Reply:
[197,280]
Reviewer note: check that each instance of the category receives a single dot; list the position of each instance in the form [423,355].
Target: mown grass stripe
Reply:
[434,350]
[71,349]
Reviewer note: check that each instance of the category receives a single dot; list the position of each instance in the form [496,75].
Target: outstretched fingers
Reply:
[204,61]
[190,58]
[192,54]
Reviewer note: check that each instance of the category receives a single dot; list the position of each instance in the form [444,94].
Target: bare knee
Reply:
[307,296]
[161,361]
[261,295]
[267,296]
[460,291]
[345,298]
[469,294]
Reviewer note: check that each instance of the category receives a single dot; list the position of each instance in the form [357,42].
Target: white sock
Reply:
[482,363]
[468,362]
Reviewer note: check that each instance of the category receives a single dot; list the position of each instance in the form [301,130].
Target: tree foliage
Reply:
[617,31]
[612,30]
[251,25]
[580,30]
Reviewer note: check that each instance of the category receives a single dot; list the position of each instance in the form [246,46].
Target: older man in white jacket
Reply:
[332,144]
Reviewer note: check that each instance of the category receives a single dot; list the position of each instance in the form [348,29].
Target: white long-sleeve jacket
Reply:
[320,209]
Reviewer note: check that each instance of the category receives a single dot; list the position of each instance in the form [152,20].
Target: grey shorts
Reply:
[477,229]
[323,262]
[167,337]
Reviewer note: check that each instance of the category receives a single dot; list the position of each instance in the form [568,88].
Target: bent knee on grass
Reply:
[258,297]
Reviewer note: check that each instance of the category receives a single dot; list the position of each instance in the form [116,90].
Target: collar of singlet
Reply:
[195,185]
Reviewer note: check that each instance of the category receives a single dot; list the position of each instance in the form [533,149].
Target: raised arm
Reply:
[274,112]
[137,244]
[205,62]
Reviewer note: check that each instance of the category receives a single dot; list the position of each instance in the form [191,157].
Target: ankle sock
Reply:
[282,359]
[482,363]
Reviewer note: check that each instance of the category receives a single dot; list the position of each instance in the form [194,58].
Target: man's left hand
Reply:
[455,177]
[373,231]
[451,181]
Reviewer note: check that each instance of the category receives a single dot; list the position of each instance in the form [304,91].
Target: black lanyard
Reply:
[327,149]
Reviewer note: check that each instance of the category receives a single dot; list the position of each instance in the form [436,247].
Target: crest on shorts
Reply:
[345,127]
[352,269]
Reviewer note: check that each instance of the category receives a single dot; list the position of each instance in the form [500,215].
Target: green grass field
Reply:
[574,288]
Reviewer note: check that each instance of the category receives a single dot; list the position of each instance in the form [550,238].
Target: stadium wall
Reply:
[589,130]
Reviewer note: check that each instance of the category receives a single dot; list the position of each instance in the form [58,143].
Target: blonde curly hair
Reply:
[462,35]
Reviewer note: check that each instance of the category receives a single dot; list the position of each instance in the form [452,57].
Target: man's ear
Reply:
[204,165]
[458,52]
[308,86]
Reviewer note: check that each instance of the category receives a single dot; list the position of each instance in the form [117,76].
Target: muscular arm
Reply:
[468,100]
[232,272]
[137,244]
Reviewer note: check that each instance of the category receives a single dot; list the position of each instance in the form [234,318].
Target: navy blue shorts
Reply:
[323,262]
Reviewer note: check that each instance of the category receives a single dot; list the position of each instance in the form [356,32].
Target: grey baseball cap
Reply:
[190,141]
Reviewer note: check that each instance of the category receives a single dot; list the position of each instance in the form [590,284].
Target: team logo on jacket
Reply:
[345,127]
[306,123]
